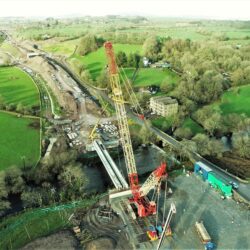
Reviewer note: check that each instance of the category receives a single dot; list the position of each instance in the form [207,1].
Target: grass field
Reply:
[96,60]
[236,100]
[162,123]
[19,143]
[152,76]
[17,87]
[194,127]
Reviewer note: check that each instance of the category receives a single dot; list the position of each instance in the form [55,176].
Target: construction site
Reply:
[147,207]
[161,213]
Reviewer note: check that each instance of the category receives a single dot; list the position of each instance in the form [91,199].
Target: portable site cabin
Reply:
[202,169]
[218,183]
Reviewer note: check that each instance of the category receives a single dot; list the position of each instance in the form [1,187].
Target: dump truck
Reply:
[204,236]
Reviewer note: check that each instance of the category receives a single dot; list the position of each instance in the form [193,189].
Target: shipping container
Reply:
[220,184]
[202,169]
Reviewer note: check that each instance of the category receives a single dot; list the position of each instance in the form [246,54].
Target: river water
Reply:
[147,160]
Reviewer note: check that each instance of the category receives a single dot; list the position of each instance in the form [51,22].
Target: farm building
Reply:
[163,105]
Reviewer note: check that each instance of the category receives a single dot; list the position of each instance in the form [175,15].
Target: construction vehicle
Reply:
[93,134]
[154,233]
[204,236]
[144,206]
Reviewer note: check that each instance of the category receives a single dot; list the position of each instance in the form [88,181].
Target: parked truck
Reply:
[204,236]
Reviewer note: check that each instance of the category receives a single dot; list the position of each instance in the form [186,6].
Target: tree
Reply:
[187,148]
[87,44]
[4,203]
[213,122]
[202,114]
[2,103]
[13,180]
[134,60]
[121,59]
[103,79]
[20,108]
[152,48]
[215,148]
[241,144]
[73,181]
[237,77]
[31,199]
[201,141]
[207,146]
[11,107]
[166,86]
[147,136]
[185,133]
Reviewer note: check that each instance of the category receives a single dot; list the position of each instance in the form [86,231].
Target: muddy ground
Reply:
[234,164]
[60,240]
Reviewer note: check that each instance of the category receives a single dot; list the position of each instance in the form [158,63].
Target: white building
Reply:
[163,105]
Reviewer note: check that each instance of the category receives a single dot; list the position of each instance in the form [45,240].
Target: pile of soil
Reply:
[103,243]
[61,240]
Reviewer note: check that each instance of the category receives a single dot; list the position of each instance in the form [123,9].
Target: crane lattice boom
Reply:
[122,119]
[144,206]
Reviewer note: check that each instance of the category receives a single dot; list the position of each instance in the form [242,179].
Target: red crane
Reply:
[144,206]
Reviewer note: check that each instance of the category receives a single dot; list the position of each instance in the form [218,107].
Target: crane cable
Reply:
[157,204]
[165,198]
[130,92]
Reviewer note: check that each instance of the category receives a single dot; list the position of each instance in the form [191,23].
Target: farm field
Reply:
[19,141]
[96,60]
[18,87]
[236,100]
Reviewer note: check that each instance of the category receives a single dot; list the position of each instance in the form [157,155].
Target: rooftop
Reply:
[164,99]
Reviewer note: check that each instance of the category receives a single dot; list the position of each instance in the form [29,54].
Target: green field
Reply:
[236,100]
[193,126]
[19,142]
[18,87]
[96,61]
[152,76]
[162,123]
